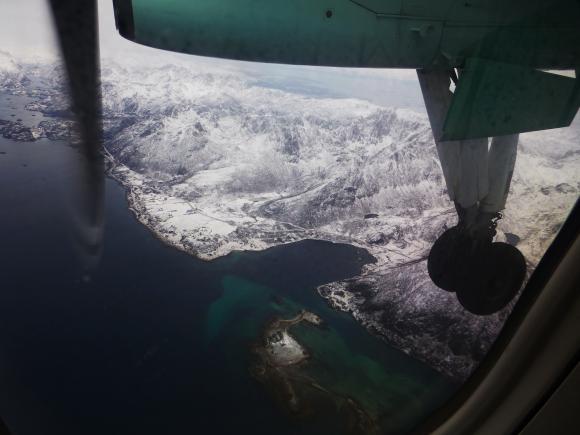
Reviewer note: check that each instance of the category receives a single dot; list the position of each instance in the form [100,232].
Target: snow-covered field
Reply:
[215,162]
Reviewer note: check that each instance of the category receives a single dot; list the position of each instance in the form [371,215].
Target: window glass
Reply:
[282,248]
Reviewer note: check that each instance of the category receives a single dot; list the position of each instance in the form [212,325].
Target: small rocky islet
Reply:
[278,366]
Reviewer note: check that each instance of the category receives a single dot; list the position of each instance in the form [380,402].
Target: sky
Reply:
[27,33]
[26,29]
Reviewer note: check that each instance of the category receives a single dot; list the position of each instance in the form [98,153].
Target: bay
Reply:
[156,341]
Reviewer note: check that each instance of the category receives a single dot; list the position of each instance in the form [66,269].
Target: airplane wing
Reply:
[500,45]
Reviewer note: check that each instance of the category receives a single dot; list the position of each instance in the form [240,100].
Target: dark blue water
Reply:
[156,341]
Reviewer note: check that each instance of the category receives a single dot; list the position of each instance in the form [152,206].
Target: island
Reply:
[281,349]
[279,363]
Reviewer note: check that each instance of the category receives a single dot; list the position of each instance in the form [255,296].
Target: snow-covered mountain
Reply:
[12,75]
[216,161]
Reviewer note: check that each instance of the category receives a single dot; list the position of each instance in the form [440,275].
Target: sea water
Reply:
[155,341]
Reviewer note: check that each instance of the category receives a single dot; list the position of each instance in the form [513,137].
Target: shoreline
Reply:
[142,217]
[338,294]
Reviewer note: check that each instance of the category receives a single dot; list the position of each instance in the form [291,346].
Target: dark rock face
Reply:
[54,129]
[58,129]
[290,143]
[376,239]
[512,239]
[16,131]
[565,188]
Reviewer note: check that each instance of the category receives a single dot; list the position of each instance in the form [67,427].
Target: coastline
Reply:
[392,298]
[335,293]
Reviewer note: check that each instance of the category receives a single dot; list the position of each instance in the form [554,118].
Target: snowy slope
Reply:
[12,75]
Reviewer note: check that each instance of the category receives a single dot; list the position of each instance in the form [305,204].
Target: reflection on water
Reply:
[159,342]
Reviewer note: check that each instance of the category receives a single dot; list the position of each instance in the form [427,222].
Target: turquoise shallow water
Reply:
[158,342]
[345,358]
